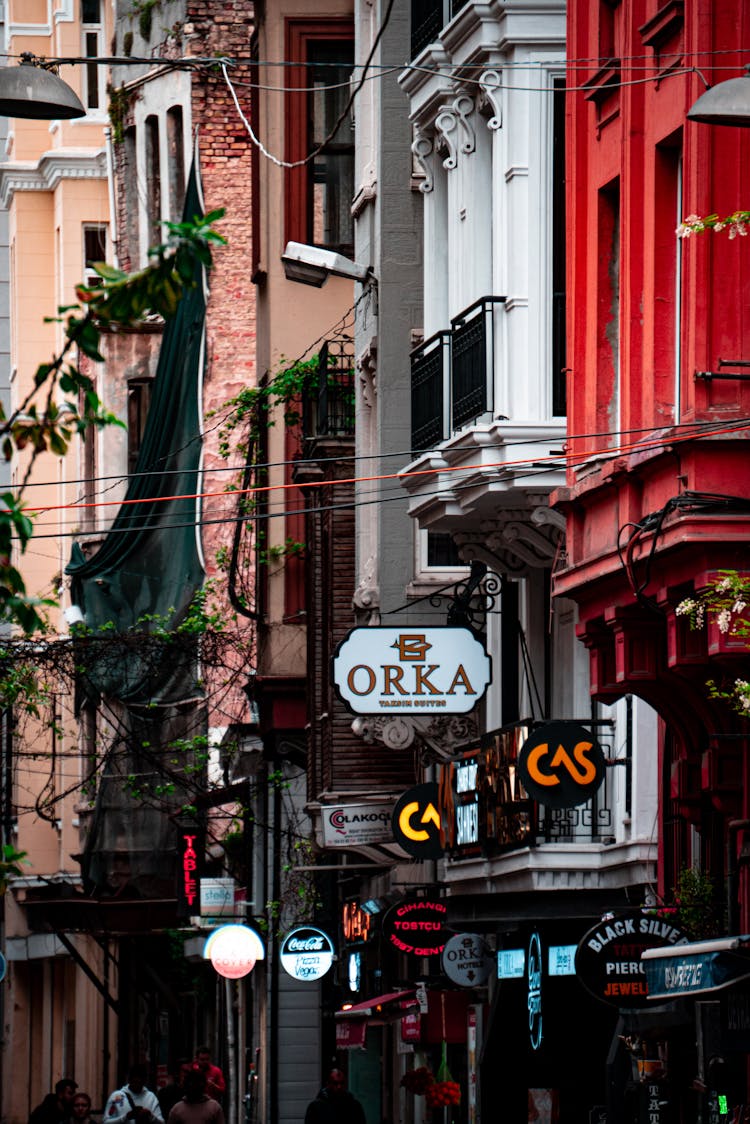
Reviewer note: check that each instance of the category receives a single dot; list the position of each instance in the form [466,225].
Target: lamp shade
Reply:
[728,103]
[31,91]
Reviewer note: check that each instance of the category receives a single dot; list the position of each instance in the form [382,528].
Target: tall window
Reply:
[139,400]
[94,249]
[153,180]
[93,74]
[176,157]
[608,314]
[319,193]
[559,403]
[667,251]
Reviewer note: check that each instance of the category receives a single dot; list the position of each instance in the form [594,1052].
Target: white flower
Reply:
[736,228]
[739,606]
[685,607]
[700,613]
[724,620]
[683,231]
[724,585]
[745,701]
[719,226]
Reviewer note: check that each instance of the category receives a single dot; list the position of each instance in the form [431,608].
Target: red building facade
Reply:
[659,471]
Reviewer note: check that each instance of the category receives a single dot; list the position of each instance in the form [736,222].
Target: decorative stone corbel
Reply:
[446,124]
[464,107]
[440,734]
[422,149]
[490,83]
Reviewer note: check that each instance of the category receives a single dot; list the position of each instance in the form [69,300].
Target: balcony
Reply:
[428,18]
[452,376]
[328,398]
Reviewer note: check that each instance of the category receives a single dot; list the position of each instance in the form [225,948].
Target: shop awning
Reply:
[393,1004]
[697,968]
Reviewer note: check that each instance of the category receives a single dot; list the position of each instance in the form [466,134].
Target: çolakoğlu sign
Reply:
[347,825]
[410,671]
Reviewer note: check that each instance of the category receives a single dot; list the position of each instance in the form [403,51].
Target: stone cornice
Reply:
[52,167]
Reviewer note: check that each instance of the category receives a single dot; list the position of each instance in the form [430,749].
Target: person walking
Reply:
[196,1107]
[334,1103]
[215,1083]
[56,1107]
[133,1101]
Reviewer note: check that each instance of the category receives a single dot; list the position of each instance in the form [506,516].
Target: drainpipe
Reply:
[112,200]
[734,827]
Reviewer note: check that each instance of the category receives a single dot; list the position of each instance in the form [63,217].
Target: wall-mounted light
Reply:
[312,265]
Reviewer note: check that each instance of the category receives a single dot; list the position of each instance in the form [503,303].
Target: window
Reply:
[608,420]
[442,552]
[139,400]
[153,181]
[94,249]
[559,372]
[131,258]
[319,193]
[93,74]
[176,157]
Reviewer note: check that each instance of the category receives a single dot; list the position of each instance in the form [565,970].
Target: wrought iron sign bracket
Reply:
[474,597]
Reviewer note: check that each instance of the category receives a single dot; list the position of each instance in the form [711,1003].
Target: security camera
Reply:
[312,265]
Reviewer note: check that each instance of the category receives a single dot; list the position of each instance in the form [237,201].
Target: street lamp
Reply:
[32,90]
[725,104]
[312,265]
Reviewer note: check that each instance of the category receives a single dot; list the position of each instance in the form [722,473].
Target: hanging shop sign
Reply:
[399,671]
[189,849]
[355,923]
[415,925]
[354,971]
[350,825]
[561,765]
[234,950]
[217,897]
[307,953]
[534,989]
[416,821]
[3,967]
[351,1034]
[608,958]
[466,960]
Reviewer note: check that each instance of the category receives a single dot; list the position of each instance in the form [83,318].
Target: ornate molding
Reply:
[464,107]
[367,369]
[516,542]
[442,734]
[446,124]
[490,83]
[422,149]
[46,173]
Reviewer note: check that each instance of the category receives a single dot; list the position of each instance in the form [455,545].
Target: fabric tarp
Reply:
[149,563]
[696,969]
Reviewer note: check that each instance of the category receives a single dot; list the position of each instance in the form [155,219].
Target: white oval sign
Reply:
[411,670]
[467,960]
[306,953]
[233,950]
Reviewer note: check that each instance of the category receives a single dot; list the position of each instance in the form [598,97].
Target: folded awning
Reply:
[392,1005]
[697,968]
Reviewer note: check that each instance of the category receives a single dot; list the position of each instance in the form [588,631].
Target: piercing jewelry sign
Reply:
[411,671]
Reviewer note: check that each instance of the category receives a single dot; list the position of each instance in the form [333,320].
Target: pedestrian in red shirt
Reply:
[215,1083]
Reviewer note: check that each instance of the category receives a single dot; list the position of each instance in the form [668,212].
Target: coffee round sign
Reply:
[415,925]
[561,765]
[608,959]
[306,953]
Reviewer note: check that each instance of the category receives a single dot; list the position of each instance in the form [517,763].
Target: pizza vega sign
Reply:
[411,670]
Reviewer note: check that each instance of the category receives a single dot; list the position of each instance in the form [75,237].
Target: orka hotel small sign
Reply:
[411,671]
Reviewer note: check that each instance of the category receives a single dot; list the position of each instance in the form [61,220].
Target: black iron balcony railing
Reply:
[430,397]
[473,362]
[328,400]
[428,18]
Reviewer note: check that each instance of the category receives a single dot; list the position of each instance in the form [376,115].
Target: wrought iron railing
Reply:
[473,362]
[328,399]
[428,18]
[430,392]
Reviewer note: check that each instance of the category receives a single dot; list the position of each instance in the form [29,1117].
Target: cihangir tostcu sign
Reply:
[385,670]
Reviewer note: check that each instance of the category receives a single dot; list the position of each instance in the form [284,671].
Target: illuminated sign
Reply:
[416,822]
[466,960]
[561,960]
[511,964]
[234,950]
[306,953]
[354,973]
[190,850]
[217,897]
[608,958]
[355,922]
[561,765]
[534,985]
[349,825]
[416,926]
[385,670]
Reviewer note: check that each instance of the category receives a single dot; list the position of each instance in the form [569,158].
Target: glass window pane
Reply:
[91,11]
[332,179]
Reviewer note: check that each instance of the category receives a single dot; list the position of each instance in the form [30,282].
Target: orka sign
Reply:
[608,959]
[561,765]
[415,925]
[416,822]
[411,671]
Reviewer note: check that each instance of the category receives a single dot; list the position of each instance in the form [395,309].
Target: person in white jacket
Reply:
[133,1102]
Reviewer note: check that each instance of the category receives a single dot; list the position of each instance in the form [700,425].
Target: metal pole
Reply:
[231,1092]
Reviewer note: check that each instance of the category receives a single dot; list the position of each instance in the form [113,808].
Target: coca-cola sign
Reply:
[307,953]
[416,925]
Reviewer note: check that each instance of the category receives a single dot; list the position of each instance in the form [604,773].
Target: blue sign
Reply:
[3,966]
[534,981]
[561,960]
[511,964]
